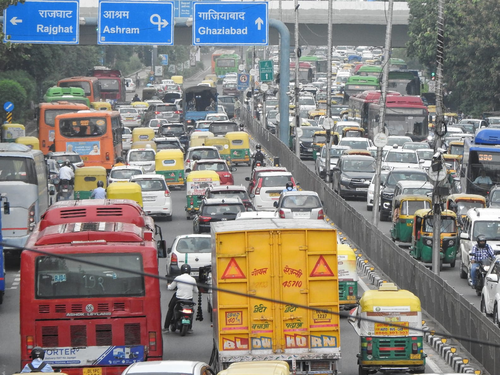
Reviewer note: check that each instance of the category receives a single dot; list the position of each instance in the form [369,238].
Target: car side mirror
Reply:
[162,248]
[188,170]
[492,277]
[464,236]
[275,204]
[252,195]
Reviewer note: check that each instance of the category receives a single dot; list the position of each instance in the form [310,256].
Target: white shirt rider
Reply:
[185,288]
[66,173]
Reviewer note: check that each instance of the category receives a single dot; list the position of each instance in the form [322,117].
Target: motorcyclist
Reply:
[136,98]
[258,157]
[37,364]
[99,192]
[66,174]
[289,187]
[186,286]
[119,162]
[479,253]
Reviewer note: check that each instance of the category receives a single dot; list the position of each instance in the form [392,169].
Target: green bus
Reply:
[68,94]
[395,63]
[321,63]
[357,84]
[370,70]
[406,82]
[225,64]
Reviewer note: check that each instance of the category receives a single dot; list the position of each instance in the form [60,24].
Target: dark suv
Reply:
[216,209]
[388,187]
[175,130]
[230,191]
[227,101]
[165,111]
[352,175]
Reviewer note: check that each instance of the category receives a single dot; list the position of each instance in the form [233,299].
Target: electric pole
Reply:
[296,89]
[328,114]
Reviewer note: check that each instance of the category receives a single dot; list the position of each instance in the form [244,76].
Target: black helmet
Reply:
[481,240]
[289,185]
[67,163]
[258,147]
[38,353]
[100,184]
[119,159]
[186,268]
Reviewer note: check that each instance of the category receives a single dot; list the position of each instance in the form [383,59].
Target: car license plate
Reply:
[301,214]
[361,189]
[274,194]
[195,273]
[92,371]
[148,198]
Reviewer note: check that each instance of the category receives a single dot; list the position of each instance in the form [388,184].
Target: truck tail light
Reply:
[369,348]
[414,348]
[321,215]
[30,344]
[173,259]
[152,341]
[351,291]
[282,214]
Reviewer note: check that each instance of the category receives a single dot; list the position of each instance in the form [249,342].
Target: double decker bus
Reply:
[67,94]
[404,115]
[226,64]
[218,53]
[481,153]
[46,115]
[23,183]
[93,318]
[307,72]
[95,136]
[90,86]
[112,84]
[321,63]
[358,84]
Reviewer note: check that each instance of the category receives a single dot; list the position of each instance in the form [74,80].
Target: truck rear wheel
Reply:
[362,371]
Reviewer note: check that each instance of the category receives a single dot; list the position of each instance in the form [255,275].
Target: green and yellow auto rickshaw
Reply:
[86,180]
[10,132]
[197,183]
[422,233]
[223,146]
[101,106]
[383,346]
[461,203]
[348,277]
[30,141]
[199,138]
[403,213]
[319,140]
[143,134]
[125,190]
[170,164]
[239,144]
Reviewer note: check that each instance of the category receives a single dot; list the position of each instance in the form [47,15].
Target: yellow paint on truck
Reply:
[285,260]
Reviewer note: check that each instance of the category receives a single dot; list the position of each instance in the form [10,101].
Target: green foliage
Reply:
[24,79]
[12,91]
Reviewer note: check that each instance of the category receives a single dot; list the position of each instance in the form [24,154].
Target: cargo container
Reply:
[281,260]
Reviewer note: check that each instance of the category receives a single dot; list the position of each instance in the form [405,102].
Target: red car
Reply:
[217,165]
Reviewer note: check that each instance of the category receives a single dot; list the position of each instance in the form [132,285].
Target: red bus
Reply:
[307,72]
[91,319]
[90,86]
[95,136]
[112,84]
[358,105]
[47,113]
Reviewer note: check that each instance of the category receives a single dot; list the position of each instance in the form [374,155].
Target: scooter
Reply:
[481,272]
[65,191]
[183,316]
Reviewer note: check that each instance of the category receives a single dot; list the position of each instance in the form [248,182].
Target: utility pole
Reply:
[439,131]
[296,90]
[328,114]
[380,138]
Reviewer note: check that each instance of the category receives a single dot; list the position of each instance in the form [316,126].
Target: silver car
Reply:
[335,153]
[303,204]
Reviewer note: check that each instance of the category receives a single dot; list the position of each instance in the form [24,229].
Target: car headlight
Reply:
[345,179]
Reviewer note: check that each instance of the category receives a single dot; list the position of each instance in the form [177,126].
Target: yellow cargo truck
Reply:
[280,260]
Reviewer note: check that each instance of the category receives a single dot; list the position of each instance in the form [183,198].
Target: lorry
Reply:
[277,294]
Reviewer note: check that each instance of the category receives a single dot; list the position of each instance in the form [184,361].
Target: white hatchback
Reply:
[142,157]
[123,173]
[268,189]
[156,197]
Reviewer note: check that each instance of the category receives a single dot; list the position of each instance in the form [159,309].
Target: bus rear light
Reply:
[351,291]
[31,218]
[414,348]
[369,348]
[30,344]
[321,215]
[152,341]
[173,259]
[107,155]
[282,214]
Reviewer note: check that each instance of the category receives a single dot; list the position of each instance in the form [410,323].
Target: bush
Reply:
[12,91]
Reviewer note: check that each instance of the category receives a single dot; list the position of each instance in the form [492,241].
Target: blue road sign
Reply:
[243,81]
[135,22]
[230,24]
[47,22]
[163,59]
[8,106]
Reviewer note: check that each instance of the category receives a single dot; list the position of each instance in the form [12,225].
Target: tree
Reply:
[11,91]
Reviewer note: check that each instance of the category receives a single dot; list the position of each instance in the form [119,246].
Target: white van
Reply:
[142,157]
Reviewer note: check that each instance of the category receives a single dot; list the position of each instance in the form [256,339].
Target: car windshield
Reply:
[395,177]
[400,141]
[356,145]
[274,181]
[222,209]
[306,101]
[171,130]
[155,123]
[490,229]
[217,117]
[401,157]
[165,108]
[128,110]
[464,206]
[124,174]
[146,155]
[243,195]
[417,191]
[358,166]
[414,146]
[301,201]
[425,154]
[70,158]
[448,224]
[151,185]
[204,154]
[167,145]
[308,132]
[334,152]
[194,245]
[218,167]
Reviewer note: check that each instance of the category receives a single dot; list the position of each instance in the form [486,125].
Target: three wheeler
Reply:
[170,164]
[31,142]
[348,277]
[239,144]
[353,132]
[101,106]
[422,233]
[384,347]
[125,190]
[86,180]
[142,135]
[403,211]
[461,203]
[10,132]
[222,144]
[199,138]
[197,183]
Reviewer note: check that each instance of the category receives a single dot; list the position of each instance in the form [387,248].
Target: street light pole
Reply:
[296,90]
[328,113]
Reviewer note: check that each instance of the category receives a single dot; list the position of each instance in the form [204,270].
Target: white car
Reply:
[425,157]
[398,140]
[268,189]
[130,116]
[156,197]
[129,85]
[216,117]
[307,103]
[126,139]
[200,152]
[371,189]
[168,368]
[194,249]
[356,143]
[142,157]
[398,158]
[490,295]
[123,173]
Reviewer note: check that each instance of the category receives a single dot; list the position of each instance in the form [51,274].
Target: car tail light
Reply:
[178,112]
[173,259]
[321,215]
[167,193]
[204,219]
[351,291]
[257,189]
[152,341]
[282,214]
[157,112]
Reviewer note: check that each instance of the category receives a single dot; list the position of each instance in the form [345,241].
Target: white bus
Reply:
[23,183]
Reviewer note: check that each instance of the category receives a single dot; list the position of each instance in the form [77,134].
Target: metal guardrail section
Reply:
[438,298]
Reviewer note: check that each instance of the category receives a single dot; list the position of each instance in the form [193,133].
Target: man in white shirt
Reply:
[186,287]
[66,173]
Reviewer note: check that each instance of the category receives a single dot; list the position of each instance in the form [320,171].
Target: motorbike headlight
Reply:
[451,242]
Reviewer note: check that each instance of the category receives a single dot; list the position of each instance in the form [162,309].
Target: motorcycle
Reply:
[65,191]
[183,316]
[481,272]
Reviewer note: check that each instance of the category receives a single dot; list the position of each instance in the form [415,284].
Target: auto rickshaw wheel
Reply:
[362,371]
[452,263]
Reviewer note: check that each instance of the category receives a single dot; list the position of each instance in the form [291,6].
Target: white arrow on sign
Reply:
[15,21]
[155,19]
[259,23]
